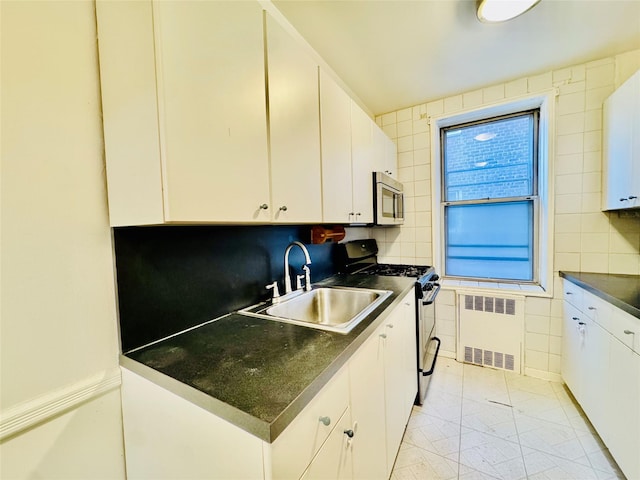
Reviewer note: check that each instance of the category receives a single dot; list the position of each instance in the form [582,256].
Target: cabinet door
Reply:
[294,128]
[621,146]
[333,460]
[571,350]
[211,90]
[400,374]
[168,437]
[366,381]
[130,112]
[593,367]
[335,120]
[362,158]
[391,157]
[294,450]
[623,408]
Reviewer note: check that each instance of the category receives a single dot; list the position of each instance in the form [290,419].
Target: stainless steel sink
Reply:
[336,309]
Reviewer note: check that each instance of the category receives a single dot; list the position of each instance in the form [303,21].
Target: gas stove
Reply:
[398,270]
[361,257]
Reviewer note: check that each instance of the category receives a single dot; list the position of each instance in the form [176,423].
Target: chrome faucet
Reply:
[287,276]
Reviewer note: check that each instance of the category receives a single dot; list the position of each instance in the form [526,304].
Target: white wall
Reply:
[58,338]
[585,238]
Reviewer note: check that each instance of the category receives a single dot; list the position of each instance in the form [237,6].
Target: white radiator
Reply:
[491,331]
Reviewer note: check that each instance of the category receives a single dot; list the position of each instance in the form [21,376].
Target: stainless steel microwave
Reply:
[388,200]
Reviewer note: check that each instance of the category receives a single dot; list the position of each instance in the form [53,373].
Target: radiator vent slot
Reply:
[468,354]
[509,362]
[488,357]
[499,360]
[505,306]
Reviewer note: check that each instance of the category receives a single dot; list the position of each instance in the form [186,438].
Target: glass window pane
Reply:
[489,160]
[492,240]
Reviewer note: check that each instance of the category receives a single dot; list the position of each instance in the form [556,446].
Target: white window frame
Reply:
[545,101]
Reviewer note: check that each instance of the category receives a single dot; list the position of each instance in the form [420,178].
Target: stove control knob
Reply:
[435,278]
[428,287]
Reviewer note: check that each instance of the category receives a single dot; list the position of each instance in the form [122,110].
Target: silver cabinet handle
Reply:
[629,332]
[326,421]
[349,433]
[569,293]
[390,325]
[283,208]
[575,318]
[592,308]
[632,197]
[264,206]
[383,335]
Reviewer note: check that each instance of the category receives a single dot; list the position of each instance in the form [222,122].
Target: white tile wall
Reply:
[585,238]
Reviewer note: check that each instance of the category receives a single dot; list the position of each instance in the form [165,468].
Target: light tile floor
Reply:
[481,423]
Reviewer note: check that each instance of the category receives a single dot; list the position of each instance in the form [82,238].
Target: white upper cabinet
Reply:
[386,157]
[212,110]
[197,131]
[130,112]
[294,128]
[363,156]
[335,121]
[621,146]
[353,147]
[184,111]
[363,165]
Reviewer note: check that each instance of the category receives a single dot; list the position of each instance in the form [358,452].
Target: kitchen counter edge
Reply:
[599,284]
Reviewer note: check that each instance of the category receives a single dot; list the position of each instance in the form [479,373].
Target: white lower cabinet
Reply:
[400,374]
[333,461]
[351,429]
[386,362]
[601,367]
[167,437]
[293,451]
[622,406]
[366,381]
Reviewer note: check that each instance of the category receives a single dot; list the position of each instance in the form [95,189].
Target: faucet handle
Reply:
[307,277]
[276,292]
[299,282]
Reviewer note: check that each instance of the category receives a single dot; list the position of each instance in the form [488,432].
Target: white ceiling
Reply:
[397,53]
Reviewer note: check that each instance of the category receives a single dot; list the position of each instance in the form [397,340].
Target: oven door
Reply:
[428,343]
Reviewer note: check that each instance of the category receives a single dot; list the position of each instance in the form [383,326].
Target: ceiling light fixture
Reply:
[492,11]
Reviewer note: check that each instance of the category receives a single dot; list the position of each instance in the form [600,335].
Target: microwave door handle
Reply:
[397,214]
[395,205]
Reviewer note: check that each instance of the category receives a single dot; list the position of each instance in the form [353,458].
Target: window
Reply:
[490,199]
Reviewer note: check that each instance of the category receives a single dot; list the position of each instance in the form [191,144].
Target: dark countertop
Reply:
[623,291]
[255,373]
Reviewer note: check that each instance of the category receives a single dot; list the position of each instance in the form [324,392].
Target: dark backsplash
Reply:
[175,277]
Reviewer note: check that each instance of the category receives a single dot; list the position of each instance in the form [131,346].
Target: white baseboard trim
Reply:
[40,409]
[552,377]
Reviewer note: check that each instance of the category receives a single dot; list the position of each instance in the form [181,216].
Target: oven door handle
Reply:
[435,357]
[432,298]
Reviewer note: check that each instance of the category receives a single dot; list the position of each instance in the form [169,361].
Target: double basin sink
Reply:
[335,309]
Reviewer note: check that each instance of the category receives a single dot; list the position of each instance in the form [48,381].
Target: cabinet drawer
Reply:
[573,294]
[294,449]
[597,310]
[626,328]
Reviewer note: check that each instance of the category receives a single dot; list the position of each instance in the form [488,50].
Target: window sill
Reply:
[513,288]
